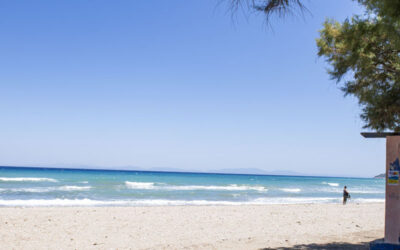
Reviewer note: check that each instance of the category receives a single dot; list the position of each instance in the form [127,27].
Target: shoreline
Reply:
[191,205]
[193,227]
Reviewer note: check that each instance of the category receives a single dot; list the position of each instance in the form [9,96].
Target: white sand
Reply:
[190,227]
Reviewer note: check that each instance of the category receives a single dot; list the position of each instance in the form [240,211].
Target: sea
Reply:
[79,187]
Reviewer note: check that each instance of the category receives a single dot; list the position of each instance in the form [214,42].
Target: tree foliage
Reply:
[364,55]
[272,7]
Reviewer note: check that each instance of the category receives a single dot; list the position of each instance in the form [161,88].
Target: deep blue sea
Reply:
[75,187]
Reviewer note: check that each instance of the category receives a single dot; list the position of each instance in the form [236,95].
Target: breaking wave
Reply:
[46,189]
[332,184]
[74,188]
[233,187]
[27,179]
[291,190]
[140,185]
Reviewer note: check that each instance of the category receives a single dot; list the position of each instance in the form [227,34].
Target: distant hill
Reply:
[380,176]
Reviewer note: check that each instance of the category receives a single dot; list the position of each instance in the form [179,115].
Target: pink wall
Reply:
[392,215]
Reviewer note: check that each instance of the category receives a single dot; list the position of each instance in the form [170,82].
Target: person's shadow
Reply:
[328,246]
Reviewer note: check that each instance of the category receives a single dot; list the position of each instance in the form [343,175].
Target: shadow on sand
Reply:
[329,246]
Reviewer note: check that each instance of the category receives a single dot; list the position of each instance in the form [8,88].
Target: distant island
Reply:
[380,176]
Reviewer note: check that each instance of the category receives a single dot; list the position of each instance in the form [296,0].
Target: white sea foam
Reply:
[46,189]
[291,190]
[139,185]
[226,188]
[53,202]
[74,188]
[163,202]
[332,184]
[308,200]
[366,200]
[352,191]
[27,179]
[28,190]
[366,191]
[326,190]
[295,200]
[88,202]
[233,187]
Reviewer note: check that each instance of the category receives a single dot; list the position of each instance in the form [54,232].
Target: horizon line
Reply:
[175,171]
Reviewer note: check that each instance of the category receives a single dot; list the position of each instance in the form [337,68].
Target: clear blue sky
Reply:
[176,84]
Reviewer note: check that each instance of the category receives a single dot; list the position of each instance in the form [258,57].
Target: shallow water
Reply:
[75,187]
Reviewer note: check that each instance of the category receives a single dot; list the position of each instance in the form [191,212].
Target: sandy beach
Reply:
[306,226]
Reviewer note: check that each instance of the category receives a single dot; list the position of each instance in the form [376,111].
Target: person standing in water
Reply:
[346,195]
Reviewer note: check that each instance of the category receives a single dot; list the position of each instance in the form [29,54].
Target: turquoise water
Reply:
[73,187]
